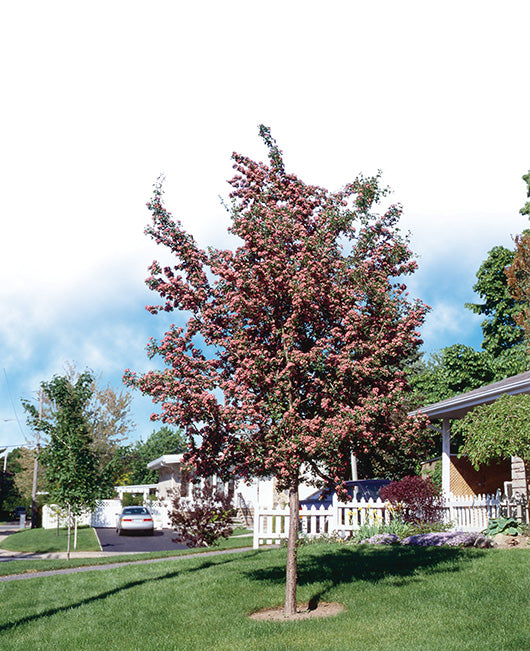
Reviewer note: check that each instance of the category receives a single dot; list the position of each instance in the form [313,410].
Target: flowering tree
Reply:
[292,355]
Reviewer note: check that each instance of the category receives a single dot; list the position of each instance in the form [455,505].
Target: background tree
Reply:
[455,369]
[305,329]
[497,431]
[108,419]
[162,441]
[9,491]
[109,422]
[519,272]
[22,466]
[500,328]
[70,462]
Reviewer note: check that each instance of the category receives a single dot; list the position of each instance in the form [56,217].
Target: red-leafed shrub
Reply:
[201,521]
[416,499]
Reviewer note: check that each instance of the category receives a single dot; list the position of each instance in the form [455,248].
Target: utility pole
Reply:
[36,469]
[353,460]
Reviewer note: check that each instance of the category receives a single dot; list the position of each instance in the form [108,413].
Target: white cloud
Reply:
[102,97]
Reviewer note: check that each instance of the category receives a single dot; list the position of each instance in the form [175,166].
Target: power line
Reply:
[13,406]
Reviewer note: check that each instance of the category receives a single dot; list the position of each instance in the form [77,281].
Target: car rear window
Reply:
[135,510]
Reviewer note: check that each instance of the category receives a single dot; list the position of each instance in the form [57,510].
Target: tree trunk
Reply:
[75,532]
[68,535]
[291,574]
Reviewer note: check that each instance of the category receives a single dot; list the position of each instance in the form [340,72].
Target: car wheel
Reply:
[119,532]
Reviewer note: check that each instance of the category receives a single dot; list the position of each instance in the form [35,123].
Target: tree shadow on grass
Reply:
[103,595]
[344,565]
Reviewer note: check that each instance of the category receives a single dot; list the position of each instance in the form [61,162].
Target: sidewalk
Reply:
[6,555]
[13,527]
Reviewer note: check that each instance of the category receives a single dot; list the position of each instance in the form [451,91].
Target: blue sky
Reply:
[100,98]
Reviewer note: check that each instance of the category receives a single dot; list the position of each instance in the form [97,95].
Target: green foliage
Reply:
[434,474]
[107,415]
[396,526]
[507,526]
[500,329]
[162,441]
[455,369]
[496,431]
[129,499]
[69,460]
[458,368]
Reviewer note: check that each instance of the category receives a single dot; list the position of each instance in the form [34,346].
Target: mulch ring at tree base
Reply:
[304,611]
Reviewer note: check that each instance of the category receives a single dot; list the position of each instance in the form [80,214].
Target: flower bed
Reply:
[438,539]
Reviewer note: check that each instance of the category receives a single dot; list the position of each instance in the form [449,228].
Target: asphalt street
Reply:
[160,541]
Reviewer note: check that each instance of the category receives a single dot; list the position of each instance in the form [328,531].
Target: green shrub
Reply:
[130,499]
[416,499]
[203,520]
[507,526]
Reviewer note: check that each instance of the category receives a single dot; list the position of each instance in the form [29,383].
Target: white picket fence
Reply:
[467,513]
[104,515]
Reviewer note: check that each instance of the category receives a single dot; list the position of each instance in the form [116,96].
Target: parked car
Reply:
[135,518]
[18,511]
[361,489]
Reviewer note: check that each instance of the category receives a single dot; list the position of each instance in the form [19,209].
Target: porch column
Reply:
[446,458]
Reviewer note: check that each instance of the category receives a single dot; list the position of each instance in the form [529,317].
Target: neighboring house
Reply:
[172,476]
[459,474]
[465,480]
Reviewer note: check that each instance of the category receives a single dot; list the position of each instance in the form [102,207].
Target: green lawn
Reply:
[396,599]
[47,540]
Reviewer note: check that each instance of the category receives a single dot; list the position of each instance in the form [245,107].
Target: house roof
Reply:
[458,406]
[164,461]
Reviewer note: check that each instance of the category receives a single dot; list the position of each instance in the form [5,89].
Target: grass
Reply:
[396,599]
[47,540]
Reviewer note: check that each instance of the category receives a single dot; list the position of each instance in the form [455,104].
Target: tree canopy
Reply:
[70,462]
[519,272]
[162,441]
[496,431]
[293,352]
[500,329]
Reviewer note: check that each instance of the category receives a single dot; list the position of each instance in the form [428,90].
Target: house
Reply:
[173,476]
[465,480]
[509,477]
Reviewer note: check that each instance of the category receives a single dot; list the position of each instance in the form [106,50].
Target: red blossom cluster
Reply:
[294,350]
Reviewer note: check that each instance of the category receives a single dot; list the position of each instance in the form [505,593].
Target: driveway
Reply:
[160,541]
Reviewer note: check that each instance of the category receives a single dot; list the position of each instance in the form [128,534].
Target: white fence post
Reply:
[334,522]
[257,524]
